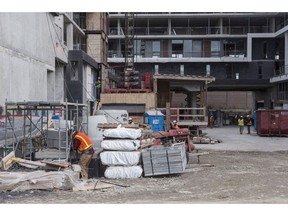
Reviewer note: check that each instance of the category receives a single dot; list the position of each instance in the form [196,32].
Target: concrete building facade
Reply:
[247,53]
[35,58]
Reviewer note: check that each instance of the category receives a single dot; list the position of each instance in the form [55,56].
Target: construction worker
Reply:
[241,124]
[175,125]
[98,88]
[211,121]
[83,145]
[249,123]
[130,120]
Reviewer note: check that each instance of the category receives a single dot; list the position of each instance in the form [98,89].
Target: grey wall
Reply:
[26,53]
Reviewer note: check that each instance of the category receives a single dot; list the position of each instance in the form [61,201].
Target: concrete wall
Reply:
[26,55]
[230,100]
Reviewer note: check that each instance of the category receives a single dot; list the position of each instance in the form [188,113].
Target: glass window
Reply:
[182,70]
[196,48]
[156,49]
[215,48]
[156,68]
[208,70]
[177,48]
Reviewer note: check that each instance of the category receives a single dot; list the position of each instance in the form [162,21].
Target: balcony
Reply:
[197,30]
[176,56]
[280,75]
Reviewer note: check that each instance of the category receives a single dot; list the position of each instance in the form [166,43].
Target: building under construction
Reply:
[245,52]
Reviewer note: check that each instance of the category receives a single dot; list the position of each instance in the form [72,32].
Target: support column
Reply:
[221,25]
[119,41]
[286,53]
[249,47]
[118,27]
[69,30]
[169,26]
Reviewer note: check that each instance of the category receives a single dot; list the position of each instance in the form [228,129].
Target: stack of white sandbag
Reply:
[120,153]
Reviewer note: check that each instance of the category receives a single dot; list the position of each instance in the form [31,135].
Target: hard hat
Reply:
[174,121]
[130,119]
[248,115]
[241,116]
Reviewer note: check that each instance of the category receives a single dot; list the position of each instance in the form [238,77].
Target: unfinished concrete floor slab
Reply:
[232,140]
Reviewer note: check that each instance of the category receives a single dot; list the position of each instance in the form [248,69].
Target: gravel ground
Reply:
[244,169]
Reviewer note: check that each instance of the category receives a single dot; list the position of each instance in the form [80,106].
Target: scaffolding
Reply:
[36,125]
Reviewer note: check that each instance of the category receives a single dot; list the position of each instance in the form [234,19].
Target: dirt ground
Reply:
[235,177]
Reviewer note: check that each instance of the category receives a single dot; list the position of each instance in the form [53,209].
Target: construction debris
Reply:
[11,159]
[205,140]
[39,180]
[98,185]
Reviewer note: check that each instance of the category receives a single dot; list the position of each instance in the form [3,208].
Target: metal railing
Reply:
[283,70]
[282,95]
[187,116]
[178,54]
[196,30]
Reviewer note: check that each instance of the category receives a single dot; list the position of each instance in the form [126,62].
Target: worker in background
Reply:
[175,125]
[82,144]
[241,124]
[98,88]
[211,121]
[249,123]
[130,121]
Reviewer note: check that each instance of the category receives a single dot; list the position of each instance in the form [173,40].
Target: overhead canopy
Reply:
[175,77]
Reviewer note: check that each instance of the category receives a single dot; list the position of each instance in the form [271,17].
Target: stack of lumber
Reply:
[160,160]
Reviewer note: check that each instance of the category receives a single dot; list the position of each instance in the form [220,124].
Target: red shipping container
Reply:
[272,122]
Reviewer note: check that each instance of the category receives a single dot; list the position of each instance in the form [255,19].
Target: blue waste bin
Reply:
[155,119]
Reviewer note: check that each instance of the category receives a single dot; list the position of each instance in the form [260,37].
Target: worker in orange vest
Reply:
[83,145]
[175,125]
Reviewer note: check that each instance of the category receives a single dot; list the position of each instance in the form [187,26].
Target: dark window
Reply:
[259,71]
[265,56]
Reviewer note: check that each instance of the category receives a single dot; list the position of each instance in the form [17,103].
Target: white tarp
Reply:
[116,158]
[21,181]
[123,133]
[121,172]
[120,145]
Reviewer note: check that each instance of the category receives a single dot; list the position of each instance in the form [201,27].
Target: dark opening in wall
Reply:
[259,71]
[265,56]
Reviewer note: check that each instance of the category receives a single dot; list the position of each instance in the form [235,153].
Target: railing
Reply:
[79,47]
[187,116]
[199,30]
[282,95]
[282,25]
[177,54]
[283,70]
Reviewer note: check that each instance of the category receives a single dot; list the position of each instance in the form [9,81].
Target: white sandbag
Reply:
[120,145]
[121,172]
[123,133]
[116,158]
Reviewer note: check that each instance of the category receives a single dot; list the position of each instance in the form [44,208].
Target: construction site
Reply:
[158,98]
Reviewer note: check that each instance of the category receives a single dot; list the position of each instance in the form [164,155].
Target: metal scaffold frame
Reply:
[27,123]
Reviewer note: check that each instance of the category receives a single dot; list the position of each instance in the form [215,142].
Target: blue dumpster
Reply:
[155,119]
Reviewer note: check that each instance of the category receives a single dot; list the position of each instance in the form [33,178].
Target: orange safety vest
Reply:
[85,142]
[176,126]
